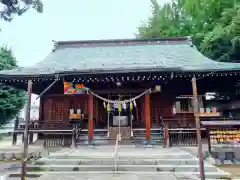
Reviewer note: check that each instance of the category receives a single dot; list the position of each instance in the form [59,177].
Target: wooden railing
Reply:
[57,140]
[60,125]
[182,136]
[63,139]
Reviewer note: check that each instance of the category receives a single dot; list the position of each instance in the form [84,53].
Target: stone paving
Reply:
[125,152]
[9,152]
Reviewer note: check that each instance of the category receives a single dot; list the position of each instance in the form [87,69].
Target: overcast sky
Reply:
[30,36]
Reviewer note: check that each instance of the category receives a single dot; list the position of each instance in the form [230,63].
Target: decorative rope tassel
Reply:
[124,106]
[134,103]
[104,105]
[108,107]
[120,107]
[131,106]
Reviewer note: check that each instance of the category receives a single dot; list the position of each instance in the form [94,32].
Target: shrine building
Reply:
[127,84]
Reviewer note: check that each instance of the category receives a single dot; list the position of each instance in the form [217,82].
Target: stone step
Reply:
[121,155]
[146,168]
[111,161]
[209,175]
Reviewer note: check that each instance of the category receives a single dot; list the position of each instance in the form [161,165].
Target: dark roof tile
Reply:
[123,56]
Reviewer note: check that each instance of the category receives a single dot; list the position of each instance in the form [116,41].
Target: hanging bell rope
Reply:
[120,102]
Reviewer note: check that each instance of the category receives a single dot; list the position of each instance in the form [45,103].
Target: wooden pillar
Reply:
[25,144]
[147,116]
[31,137]
[209,141]
[74,145]
[23,136]
[90,117]
[16,124]
[166,136]
[96,112]
[198,128]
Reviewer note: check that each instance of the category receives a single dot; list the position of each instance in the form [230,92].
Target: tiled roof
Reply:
[123,56]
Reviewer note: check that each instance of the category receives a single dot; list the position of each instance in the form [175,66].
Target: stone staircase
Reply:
[138,138]
[130,160]
[157,137]
[125,132]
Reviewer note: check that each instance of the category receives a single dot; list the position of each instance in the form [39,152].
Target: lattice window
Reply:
[47,110]
[59,111]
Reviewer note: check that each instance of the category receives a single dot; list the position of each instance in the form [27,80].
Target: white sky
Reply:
[30,36]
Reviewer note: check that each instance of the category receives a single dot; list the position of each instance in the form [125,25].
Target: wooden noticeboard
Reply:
[222,134]
[227,138]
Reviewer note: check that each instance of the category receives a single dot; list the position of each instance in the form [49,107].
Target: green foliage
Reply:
[214,25]
[18,7]
[11,100]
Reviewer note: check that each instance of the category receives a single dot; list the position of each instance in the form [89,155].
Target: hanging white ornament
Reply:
[134,103]
[124,106]
[115,105]
[104,104]
[174,110]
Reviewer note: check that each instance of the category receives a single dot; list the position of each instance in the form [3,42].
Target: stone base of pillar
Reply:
[148,142]
[90,142]
[73,146]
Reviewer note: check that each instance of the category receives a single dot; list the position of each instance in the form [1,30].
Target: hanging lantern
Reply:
[131,106]
[108,107]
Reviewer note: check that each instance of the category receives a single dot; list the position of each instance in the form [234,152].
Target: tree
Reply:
[11,100]
[213,25]
[18,7]
[223,42]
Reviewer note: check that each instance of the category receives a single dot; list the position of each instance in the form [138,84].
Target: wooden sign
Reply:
[74,88]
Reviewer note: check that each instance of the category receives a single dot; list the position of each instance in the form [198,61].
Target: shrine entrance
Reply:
[120,117]
[121,112]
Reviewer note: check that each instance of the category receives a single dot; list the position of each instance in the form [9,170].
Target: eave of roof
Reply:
[122,56]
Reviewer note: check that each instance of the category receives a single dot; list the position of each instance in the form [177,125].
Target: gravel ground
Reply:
[234,170]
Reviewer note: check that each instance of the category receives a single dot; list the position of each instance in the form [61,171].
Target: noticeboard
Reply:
[225,138]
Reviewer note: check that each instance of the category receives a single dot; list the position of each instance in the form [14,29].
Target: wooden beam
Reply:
[198,128]
[147,116]
[45,90]
[25,144]
[90,117]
